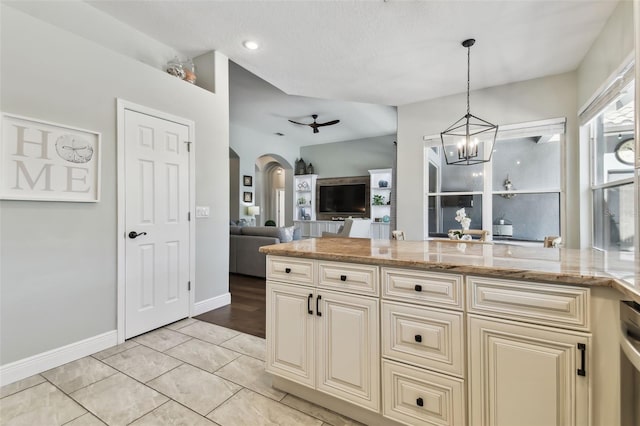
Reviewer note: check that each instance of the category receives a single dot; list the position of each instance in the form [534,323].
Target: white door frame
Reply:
[123,105]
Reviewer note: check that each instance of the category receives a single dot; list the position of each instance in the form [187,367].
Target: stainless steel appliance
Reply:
[630,363]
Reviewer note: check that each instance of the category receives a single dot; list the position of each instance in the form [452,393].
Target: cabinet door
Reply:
[348,355]
[290,329]
[526,375]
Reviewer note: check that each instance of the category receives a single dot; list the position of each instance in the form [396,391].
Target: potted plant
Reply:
[378,200]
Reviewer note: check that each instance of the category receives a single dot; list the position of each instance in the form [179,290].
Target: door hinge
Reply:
[188,285]
[189,216]
[188,145]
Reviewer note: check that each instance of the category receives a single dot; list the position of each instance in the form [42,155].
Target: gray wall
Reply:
[58,264]
[350,158]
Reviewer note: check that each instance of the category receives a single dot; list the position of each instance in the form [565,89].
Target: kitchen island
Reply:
[440,332]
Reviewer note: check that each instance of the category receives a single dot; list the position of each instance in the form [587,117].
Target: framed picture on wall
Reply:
[248,197]
[247,180]
[44,161]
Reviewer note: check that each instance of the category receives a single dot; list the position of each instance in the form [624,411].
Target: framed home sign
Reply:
[45,161]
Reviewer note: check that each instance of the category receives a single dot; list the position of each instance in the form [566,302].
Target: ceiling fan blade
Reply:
[302,124]
[329,123]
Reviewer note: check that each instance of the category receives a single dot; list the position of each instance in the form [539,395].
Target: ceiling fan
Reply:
[315,125]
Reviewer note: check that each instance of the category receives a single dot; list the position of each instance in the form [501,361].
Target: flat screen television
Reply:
[344,199]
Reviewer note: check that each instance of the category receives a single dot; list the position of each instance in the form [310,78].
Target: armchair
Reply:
[353,228]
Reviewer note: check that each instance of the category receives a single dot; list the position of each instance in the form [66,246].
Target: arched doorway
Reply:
[274,177]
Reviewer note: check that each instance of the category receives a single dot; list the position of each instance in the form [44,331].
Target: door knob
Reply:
[134,234]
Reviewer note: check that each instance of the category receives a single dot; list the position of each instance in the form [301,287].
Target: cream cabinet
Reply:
[414,347]
[521,374]
[324,339]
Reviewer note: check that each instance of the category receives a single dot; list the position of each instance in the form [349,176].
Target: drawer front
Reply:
[430,288]
[290,270]
[349,277]
[426,337]
[547,304]
[413,396]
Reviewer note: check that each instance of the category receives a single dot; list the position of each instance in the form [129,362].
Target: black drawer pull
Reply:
[343,277]
[582,348]
[418,287]
[418,338]
[318,313]
[309,303]
[287,270]
[419,402]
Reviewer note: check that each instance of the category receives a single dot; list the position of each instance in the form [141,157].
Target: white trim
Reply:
[44,361]
[121,106]
[517,130]
[211,304]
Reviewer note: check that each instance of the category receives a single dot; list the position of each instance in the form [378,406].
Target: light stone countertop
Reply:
[586,267]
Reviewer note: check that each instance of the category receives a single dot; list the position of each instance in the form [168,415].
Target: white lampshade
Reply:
[253,210]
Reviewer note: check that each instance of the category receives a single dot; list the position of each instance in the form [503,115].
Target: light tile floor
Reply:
[189,373]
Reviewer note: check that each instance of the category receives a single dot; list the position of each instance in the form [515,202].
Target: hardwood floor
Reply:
[247,311]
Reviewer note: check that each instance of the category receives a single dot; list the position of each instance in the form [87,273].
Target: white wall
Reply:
[612,47]
[532,100]
[58,264]
[350,158]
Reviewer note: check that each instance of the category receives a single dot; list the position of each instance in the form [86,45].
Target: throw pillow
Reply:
[286,234]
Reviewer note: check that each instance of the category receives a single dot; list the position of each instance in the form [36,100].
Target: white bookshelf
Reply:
[304,197]
[381,186]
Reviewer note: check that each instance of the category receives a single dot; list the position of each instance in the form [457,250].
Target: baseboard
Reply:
[44,361]
[211,304]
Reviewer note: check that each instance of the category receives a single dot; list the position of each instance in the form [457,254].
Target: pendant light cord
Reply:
[468,77]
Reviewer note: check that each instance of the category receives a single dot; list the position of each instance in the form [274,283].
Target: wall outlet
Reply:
[202,211]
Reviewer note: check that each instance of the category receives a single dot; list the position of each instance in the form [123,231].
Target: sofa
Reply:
[244,242]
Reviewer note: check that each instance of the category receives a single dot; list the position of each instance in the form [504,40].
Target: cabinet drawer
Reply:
[290,270]
[418,397]
[430,288]
[349,277]
[425,337]
[547,304]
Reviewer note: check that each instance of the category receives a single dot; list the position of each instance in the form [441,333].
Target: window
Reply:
[515,196]
[612,181]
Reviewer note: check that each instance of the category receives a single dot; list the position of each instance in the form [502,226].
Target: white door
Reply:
[156,207]
[348,363]
[290,344]
[527,376]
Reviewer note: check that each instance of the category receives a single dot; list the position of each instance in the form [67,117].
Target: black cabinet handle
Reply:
[419,402]
[309,303]
[134,234]
[318,313]
[343,277]
[582,348]
[287,270]
[418,338]
[418,287]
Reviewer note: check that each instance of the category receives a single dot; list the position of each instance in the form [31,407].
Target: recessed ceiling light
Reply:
[251,45]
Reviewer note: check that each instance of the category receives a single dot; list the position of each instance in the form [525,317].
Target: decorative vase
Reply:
[189,71]
[301,167]
[174,67]
[383,183]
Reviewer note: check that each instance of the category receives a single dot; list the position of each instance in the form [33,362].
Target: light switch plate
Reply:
[202,211]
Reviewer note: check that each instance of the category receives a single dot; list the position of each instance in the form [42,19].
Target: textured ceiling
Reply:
[391,53]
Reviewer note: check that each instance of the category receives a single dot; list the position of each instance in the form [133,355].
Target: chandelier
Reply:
[470,132]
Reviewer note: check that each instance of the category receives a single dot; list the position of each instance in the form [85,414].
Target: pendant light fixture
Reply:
[469,133]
